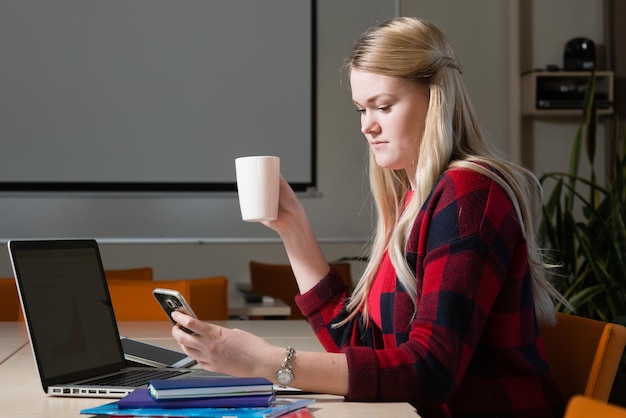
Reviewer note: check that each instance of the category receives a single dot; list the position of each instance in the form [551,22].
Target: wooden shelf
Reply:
[559,93]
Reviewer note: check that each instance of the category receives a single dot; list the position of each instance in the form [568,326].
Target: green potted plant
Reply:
[583,227]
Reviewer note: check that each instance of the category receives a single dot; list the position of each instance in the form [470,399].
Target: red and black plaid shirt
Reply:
[473,347]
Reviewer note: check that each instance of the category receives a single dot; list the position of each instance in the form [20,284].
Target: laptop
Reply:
[71,324]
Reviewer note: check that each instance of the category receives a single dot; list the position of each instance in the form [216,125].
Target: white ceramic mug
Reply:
[258,182]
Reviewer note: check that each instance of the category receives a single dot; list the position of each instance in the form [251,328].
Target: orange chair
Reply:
[9,300]
[584,355]
[279,282]
[586,407]
[135,273]
[133,301]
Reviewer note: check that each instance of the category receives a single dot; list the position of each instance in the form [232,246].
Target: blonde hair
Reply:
[416,50]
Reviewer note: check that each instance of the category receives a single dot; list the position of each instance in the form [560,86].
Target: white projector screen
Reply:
[154,95]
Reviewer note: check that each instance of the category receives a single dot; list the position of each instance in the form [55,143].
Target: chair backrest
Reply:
[584,355]
[133,301]
[279,282]
[9,300]
[142,274]
[135,273]
[586,407]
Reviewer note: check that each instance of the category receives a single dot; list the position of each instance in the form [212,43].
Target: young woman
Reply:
[446,313]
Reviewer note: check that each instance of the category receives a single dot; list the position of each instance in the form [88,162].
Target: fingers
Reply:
[200,344]
[288,207]
[185,322]
[286,192]
[201,332]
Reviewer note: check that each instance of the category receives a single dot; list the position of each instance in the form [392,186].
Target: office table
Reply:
[13,336]
[21,394]
[240,308]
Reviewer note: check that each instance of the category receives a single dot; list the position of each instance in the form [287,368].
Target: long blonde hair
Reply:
[416,50]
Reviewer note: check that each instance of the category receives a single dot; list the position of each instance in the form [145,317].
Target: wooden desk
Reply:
[239,308]
[21,394]
[13,336]
[282,333]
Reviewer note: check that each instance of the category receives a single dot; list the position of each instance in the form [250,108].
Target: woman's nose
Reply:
[368,124]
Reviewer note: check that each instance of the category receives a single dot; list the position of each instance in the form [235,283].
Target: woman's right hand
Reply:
[224,350]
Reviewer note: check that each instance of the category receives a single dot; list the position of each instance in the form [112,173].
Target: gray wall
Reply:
[479,34]
[484,35]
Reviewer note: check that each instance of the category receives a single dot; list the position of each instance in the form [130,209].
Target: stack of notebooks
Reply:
[203,397]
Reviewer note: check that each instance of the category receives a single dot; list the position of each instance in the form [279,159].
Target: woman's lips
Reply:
[377,144]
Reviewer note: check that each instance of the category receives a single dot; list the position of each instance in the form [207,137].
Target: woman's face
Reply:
[393,113]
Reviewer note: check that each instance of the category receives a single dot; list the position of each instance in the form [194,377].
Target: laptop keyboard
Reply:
[133,363]
[135,378]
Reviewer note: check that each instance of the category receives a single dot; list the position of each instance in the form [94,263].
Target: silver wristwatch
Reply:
[284,375]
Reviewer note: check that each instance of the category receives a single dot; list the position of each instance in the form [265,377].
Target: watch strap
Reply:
[287,366]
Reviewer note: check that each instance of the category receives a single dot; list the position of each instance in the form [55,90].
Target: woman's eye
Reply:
[383,108]
[359,110]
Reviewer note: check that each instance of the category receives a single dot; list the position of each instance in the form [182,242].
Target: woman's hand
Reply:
[289,209]
[230,351]
[239,353]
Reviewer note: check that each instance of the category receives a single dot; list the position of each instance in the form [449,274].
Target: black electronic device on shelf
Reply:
[567,92]
[563,92]
[579,55]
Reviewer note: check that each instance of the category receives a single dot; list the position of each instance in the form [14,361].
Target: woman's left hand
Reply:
[224,350]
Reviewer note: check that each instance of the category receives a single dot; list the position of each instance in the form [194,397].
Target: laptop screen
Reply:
[67,306]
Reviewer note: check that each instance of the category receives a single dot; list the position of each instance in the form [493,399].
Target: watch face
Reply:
[284,377]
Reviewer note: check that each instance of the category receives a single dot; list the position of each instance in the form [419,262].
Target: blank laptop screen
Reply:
[70,318]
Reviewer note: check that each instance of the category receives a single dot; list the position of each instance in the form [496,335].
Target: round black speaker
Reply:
[579,55]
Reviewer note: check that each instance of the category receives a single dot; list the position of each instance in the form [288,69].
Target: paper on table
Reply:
[279,407]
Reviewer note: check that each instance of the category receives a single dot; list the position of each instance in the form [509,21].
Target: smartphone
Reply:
[153,355]
[172,300]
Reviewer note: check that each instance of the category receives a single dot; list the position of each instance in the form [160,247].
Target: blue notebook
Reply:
[279,407]
[141,398]
[206,387]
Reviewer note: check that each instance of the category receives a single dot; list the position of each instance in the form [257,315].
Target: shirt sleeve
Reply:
[324,305]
